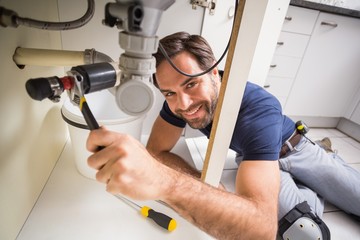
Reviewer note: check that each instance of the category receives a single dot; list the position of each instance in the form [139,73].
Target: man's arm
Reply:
[162,139]
[128,168]
[250,214]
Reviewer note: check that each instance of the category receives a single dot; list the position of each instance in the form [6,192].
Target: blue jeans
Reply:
[311,174]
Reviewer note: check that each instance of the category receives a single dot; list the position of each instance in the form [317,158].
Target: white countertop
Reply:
[74,207]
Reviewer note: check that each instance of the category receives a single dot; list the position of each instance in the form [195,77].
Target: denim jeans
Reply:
[311,174]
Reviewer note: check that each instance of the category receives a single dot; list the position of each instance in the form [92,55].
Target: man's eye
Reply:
[169,94]
[190,85]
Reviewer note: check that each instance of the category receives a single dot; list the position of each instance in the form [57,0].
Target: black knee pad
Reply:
[300,223]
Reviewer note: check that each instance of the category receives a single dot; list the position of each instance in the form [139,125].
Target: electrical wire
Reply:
[163,51]
[28,22]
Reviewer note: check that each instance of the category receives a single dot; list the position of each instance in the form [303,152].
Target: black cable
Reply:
[163,51]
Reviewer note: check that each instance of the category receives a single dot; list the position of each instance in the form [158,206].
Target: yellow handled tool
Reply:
[161,219]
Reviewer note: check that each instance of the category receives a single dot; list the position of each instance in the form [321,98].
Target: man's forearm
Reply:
[221,214]
[176,162]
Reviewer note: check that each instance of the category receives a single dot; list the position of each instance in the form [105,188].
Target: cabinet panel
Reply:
[279,87]
[300,20]
[284,66]
[329,75]
[291,44]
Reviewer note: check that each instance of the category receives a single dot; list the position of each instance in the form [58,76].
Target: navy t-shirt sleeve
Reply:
[262,141]
[258,132]
[171,118]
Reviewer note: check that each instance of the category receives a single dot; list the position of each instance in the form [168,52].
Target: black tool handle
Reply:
[160,218]
[89,118]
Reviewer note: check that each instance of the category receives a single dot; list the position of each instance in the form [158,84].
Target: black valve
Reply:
[41,88]
[95,77]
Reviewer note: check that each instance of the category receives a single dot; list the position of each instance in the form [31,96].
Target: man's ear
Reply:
[215,72]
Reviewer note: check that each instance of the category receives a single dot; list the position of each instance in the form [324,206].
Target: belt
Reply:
[289,145]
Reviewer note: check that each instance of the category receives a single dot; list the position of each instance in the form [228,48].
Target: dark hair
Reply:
[182,41]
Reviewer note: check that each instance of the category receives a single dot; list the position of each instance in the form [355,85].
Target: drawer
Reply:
[279,87]
[282,66]
[291,44]
[300,20]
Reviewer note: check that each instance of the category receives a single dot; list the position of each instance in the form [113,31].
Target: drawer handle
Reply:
[280,43]
[332,24]
[266,85]
[288,18]
[273,65]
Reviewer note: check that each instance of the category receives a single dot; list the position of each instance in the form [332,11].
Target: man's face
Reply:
[192,99]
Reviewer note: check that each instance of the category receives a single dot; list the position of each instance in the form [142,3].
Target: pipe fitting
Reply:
[8,18]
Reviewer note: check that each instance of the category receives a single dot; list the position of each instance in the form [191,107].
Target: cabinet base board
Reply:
[318,122]
[349,128]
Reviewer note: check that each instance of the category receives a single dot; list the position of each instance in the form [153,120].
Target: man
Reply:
[262,135]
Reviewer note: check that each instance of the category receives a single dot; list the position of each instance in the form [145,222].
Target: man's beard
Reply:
[200,123]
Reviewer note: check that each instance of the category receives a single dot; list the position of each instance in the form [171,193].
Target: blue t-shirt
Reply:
[260,129]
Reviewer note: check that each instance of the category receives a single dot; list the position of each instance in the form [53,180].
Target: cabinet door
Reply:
[300,20]
[283,66]
[329,75]
[291,44]
[216,28]
[260,27]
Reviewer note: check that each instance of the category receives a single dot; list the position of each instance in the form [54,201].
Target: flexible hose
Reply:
[59,25]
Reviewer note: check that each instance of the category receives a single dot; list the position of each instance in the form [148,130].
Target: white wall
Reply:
[33,133]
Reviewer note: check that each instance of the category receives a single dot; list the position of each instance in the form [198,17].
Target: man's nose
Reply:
[184,101]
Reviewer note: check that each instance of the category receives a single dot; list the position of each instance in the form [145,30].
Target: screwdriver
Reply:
[159,218]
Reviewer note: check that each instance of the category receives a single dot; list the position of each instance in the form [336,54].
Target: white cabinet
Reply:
[353,111]
[355,117]
[291,46]
[329,75]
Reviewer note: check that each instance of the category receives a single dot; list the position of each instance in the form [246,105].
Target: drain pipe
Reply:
[48,57]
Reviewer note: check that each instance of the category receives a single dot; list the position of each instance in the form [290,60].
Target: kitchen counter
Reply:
[74,207]
[326,8]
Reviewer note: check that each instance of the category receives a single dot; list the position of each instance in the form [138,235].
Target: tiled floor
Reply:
[341,225]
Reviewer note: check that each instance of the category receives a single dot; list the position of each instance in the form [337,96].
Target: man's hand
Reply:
[126,166]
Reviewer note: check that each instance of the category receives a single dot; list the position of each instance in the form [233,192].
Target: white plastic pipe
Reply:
[46,57]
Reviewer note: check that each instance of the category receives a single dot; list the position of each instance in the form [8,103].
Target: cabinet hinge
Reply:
[211,4]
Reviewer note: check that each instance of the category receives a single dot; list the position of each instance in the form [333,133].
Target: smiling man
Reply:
[191,99]
[281,175]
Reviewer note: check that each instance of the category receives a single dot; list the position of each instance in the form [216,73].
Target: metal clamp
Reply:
[77,92]
[211,4]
